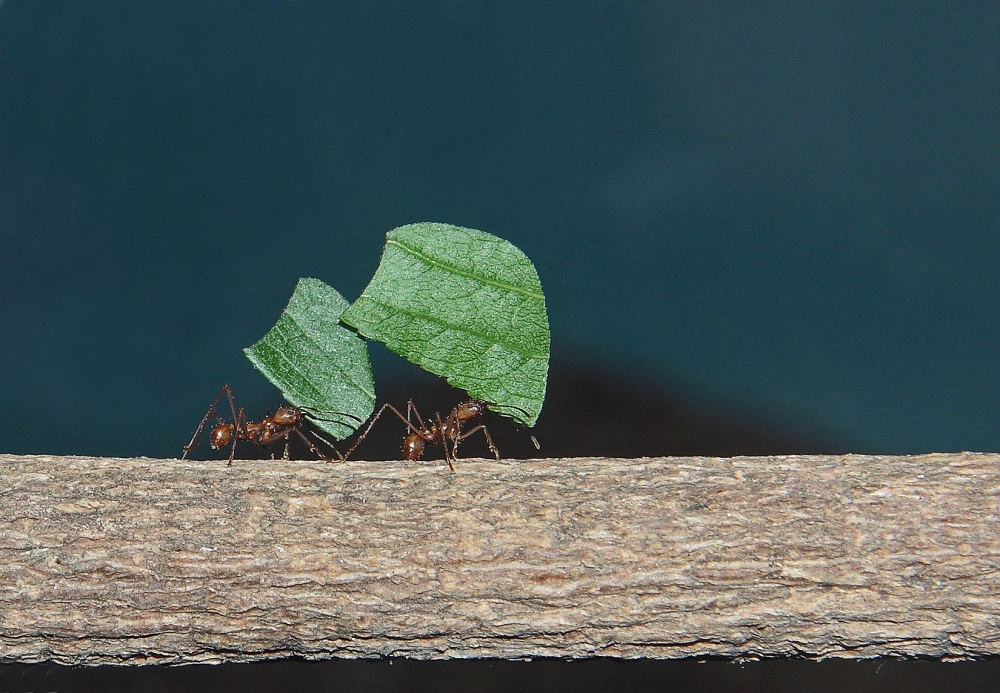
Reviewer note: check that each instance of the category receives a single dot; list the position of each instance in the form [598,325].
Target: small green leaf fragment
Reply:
[317,362]
[463,304]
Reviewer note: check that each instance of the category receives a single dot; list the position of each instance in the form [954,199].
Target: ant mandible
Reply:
[447,432]
[270,429]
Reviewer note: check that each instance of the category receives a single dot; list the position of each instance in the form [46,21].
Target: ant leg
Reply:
[497,408]
[315,450]
[232,403]
[196,438]
[410,406]
[275,436]
[489,440]
[286,432]
[328,444]
[456,431]
[372,423]
[240,428]
[265,443]
[444,441]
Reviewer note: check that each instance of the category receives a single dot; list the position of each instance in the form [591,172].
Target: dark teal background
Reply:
[789,208]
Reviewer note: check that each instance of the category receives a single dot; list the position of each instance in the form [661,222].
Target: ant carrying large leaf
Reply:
[271,429]
[448,431]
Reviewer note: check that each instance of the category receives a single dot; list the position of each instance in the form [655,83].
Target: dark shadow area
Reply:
[591,411]
[544,676]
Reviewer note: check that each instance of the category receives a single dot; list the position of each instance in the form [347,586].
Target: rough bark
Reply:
[141,560]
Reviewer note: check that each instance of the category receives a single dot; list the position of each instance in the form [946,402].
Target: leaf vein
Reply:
[434,262]
[450,326]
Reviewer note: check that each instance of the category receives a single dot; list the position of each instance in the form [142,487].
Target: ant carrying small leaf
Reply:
[448,431]
[272,428]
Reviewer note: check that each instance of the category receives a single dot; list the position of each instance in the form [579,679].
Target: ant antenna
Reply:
[314,413]
[499,407]
[534,440]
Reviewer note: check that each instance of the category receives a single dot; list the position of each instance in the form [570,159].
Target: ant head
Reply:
[471,409]
[221,435]
[287,416]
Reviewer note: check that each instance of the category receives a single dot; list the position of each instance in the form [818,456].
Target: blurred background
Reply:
[761,228]
[784,215]
[781,218]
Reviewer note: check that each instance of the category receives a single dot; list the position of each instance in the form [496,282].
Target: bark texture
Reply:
[141,561]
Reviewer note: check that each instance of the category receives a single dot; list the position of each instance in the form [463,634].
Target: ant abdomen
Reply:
[413,447]
[221,436]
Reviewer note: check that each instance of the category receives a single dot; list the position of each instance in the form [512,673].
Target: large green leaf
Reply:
[316,362]
[463,304]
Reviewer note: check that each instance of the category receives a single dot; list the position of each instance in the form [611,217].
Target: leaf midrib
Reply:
[435,262]
[451,326]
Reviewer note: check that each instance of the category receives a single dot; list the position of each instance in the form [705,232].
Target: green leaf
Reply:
[463,304]
[316,362]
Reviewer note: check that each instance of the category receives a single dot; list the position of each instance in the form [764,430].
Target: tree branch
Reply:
[140,560]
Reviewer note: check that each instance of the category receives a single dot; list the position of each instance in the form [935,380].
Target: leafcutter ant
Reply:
[272,428]
[448,431]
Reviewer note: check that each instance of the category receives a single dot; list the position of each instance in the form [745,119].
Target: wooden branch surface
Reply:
[142,560]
